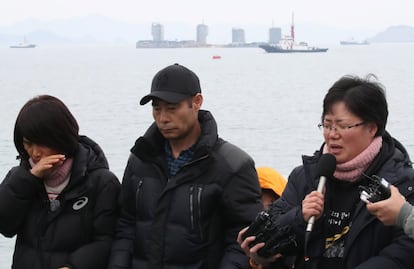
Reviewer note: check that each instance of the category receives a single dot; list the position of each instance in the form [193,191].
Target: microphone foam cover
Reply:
[326,165]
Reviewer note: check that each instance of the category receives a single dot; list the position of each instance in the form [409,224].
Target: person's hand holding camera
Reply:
[387,210]
[260,261]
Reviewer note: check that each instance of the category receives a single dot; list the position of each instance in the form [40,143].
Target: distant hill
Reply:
[401,33]
[76,31]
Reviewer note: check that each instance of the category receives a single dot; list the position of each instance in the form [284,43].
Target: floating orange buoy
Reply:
[216,57]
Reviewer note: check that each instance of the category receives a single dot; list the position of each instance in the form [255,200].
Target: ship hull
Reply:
[353,43]
[23,46]
[275,49]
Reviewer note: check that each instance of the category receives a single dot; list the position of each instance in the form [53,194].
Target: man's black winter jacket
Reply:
[192,219]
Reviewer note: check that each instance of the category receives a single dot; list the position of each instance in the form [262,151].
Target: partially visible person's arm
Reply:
[241,201]
[395,211]
[17,192]
[405,219]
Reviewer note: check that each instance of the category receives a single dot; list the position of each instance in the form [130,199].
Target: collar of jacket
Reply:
[88,158]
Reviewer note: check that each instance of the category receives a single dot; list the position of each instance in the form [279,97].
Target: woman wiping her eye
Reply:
[61,200]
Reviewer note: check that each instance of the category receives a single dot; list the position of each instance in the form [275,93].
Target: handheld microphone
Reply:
[326,168]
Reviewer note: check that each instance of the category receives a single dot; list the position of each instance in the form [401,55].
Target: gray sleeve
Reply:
[405,219]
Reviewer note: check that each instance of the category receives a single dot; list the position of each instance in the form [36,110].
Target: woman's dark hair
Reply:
[364,97]
[45,120]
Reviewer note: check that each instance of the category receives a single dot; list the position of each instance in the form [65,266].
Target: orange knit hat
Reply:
[270,179]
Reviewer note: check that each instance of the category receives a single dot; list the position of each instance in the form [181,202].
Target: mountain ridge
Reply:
[397,33]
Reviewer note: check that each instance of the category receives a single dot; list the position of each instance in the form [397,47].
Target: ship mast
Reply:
[292,29]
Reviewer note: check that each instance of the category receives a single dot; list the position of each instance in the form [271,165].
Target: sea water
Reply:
[267,104]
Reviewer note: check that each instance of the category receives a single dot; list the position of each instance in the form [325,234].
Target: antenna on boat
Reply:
[292,29]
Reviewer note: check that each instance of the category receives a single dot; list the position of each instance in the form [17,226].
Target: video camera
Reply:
[378,189]
[277,239]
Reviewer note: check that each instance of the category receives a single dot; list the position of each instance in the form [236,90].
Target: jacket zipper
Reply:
[199,191]
[139,187]
[192,207]
[195,208]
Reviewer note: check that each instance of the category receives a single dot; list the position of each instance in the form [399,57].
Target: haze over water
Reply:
[267,104]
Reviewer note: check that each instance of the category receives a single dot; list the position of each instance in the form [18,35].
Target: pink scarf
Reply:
[57,175]
[353,169]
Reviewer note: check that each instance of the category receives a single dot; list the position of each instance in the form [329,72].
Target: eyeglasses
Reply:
[326,128]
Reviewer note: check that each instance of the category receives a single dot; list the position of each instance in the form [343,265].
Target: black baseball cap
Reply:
[173,84]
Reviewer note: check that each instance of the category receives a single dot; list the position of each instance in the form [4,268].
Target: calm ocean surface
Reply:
[268,104]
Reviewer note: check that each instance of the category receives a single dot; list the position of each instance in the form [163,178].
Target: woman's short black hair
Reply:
[364,97]
[45,120]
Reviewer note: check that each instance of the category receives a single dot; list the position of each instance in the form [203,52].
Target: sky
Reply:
[344,14]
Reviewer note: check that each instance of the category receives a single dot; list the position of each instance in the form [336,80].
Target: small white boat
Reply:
[23,45]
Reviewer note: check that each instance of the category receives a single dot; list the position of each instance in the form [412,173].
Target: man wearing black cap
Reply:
[186,192]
